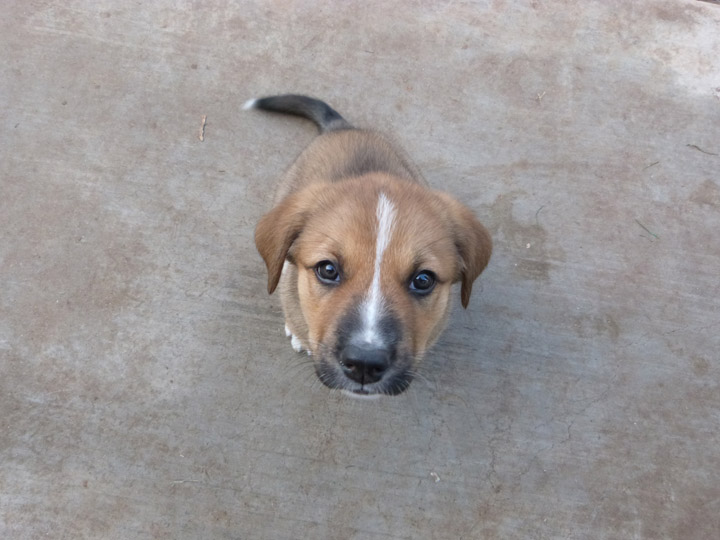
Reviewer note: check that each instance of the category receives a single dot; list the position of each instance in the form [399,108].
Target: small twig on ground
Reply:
[540,96]
[646,229]
[537,222]
[696,147]
[201,133]
[651,165]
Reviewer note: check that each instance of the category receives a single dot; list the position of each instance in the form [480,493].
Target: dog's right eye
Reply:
[327,272]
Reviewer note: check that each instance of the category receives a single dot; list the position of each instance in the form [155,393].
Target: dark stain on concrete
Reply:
[591,326]
[700,365]
[708,194]
[526,241]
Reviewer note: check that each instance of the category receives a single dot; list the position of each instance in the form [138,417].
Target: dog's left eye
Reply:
[422,282]
[327,272]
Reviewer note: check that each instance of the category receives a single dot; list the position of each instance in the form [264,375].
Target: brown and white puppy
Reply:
[364,254]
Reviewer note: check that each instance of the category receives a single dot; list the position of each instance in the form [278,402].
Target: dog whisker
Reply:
[417,373]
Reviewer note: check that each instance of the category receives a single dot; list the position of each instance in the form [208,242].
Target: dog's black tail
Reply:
[325,117]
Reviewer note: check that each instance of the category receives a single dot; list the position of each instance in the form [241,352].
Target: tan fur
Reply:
[324,211]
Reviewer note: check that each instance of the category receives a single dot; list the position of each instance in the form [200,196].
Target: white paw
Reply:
[295,342]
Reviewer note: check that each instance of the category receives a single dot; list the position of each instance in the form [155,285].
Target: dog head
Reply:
[374,259]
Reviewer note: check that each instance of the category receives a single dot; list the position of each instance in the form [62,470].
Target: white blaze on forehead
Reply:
[373,304]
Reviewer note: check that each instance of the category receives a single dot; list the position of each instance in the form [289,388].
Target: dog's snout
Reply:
[365,365]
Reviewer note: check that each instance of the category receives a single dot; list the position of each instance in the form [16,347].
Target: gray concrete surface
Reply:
[146,387]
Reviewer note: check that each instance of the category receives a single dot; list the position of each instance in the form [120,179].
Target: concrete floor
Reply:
[146,387]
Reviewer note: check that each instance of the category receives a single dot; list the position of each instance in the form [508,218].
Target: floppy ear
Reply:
[277,230]
[473,243]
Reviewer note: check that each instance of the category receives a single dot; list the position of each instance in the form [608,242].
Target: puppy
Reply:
[364,253]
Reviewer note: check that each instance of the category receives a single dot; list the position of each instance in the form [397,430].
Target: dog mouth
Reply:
[393,383]
[361,394]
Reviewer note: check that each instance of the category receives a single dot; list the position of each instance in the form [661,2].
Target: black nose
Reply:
[365,365]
